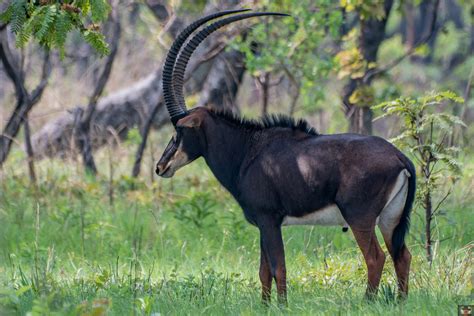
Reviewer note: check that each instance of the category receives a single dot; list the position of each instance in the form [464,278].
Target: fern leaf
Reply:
[6,15]
[29,27]
[23,36]
[97,41]
[47,22]
[83,5]
[18,15]
[99,10]
[450,96]
[62,27]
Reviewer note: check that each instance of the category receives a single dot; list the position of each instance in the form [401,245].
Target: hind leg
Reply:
[402,259]
[388,221]
[374,258]
[401,262]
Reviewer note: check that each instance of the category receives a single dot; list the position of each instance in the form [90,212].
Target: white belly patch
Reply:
[328,216]
[331,215]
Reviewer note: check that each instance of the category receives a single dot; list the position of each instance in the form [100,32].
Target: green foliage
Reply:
[285,46]
[426,133]
[196,209]
[63,27]
[99,10]
[50,22]
[366,8]
[183,269]
[352,65]
[134,136]
[426,130]
[362,96]
[16,13]
[96,40]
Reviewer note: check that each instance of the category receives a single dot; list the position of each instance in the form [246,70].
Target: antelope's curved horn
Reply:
[185,55]
[170,100]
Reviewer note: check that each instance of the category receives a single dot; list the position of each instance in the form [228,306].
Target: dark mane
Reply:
[267,121]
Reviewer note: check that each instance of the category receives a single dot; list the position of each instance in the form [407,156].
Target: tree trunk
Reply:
[427,26]
[460,56]
[141,148]
[361,121]
[83,143]
[372,33]
[223,81]
[264,83]
[410,25]
[119,111]
[82,129]
[428,215]
[29,151]
[25,100]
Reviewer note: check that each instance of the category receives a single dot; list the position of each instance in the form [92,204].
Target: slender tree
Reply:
[49,23]
[299,53]
[359,62]
[83,118]
[425,132]
[356,60]
[25,99]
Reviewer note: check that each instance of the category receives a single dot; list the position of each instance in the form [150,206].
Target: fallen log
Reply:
[130,107]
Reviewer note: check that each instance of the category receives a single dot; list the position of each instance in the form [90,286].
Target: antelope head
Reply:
[187,143]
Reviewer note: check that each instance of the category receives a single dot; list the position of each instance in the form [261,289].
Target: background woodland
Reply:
[86,226]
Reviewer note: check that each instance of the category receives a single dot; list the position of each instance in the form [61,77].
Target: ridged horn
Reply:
[170,100]
[185,55]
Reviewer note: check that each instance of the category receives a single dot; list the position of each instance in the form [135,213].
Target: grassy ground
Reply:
[183,247]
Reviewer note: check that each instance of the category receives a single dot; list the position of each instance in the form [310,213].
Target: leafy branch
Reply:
[50,21]
[425,133]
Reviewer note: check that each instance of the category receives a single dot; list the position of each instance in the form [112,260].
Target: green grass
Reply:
[182,246]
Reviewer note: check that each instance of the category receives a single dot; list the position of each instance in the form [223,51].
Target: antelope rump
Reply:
[282,172]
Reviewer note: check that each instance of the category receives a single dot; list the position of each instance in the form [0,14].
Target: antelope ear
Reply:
[190,121]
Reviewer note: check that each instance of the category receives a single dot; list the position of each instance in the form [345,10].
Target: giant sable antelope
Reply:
[282,172]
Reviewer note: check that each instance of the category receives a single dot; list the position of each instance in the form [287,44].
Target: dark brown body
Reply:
[293,174]
[283,171]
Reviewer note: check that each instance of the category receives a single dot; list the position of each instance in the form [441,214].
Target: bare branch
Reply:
[144,133]
[436,209]
[428,34]
[45,74]
[104,77]
[82,126]
[25,102]
[468,89]
[11,69]
[29,151]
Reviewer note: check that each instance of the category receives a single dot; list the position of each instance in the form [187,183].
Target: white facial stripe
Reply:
[179,159]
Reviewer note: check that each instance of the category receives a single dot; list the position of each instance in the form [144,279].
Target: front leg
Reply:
[272,247]
[265,275]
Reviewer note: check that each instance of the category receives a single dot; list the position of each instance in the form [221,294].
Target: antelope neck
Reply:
[226,151]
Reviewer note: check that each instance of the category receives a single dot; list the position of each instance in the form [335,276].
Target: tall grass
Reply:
[184,247]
